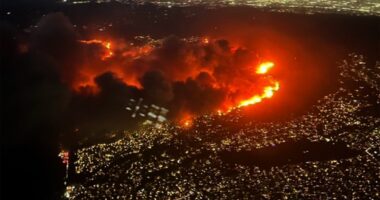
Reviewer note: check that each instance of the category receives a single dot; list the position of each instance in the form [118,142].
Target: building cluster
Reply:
[175,163]
[363,7]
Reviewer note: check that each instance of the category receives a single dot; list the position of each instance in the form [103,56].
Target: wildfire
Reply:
[105,44]
[205,40]
[186,121]
[264,67]
[268,90]
[267,93]
[196,75]
[137,52]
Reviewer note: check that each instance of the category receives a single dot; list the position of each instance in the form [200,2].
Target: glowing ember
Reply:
[264,67]
[186,120]
[206,40]
[186,123]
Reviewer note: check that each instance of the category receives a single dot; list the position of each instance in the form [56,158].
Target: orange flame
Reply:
[268,90]
[186,121]
[264,67]
[130,52]
[206,40]
[105,44]
[85,77]
[267,93]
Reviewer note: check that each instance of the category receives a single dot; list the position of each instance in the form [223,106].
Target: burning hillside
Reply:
[197,75]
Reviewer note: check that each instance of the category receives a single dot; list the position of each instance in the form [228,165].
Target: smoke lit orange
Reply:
[267,93]
[208,68]
[186,121]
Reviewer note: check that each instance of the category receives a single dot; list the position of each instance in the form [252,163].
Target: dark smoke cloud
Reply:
[33,100]
[194,97]
[54,36]
[189,77]
[186,76]
[94,114]
[157,88]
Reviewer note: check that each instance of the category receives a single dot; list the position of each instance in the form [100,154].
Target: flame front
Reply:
[105,44]
[268,91]
[264,67]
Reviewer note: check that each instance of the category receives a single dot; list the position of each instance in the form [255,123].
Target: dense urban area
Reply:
[366,7]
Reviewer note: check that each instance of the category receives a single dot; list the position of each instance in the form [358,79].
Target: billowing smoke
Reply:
[55,38]
[190,76]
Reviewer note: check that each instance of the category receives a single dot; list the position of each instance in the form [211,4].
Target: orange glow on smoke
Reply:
[137,52]
[264,67]
[267,93]
[84,80]
[186,121]
[241,85]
